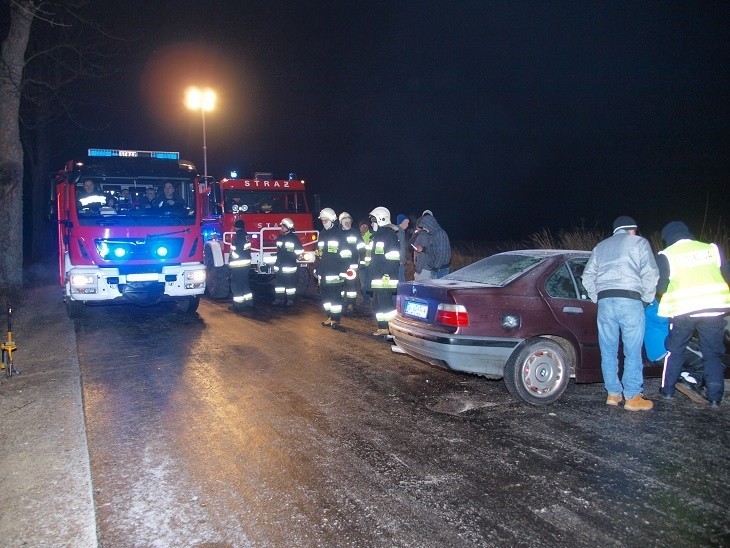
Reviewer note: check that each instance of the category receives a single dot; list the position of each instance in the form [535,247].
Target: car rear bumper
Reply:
[480,355]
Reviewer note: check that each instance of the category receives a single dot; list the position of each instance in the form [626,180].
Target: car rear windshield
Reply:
[497,270]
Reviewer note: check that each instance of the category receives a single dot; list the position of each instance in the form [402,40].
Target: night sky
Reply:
[503,118]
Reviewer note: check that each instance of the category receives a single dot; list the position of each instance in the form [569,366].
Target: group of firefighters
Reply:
[341,254]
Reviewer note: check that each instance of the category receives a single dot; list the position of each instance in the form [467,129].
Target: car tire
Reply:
[538,372]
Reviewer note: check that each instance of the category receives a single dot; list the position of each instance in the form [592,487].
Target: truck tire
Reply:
[217,279]
[74,309]
[304,278]
[187,305]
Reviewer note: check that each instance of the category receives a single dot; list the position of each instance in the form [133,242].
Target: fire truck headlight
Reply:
[194,279]
[83,283]
[161,251]
[120,252]
[307,257]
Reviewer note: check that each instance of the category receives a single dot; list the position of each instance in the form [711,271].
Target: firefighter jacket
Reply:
[696,284]
[332,264]
[384,251]
[288,248]
[353,239]
[240,255]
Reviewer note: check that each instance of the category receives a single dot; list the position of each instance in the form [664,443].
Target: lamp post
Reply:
[203,100]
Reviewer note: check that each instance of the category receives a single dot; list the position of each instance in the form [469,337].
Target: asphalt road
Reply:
[270,430]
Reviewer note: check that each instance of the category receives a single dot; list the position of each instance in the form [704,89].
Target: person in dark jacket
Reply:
[288,249]
[693,284]
[383,267]
[352,255]
[432,248]
[331,268]
[239,262]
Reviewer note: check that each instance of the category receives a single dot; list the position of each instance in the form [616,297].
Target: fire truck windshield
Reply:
[134,202]
[258,201]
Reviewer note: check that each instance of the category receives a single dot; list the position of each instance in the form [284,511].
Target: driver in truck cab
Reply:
[90,197]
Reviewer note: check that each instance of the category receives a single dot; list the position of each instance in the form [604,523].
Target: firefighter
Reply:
[240,265]
[350,253]
[288,249]
[383,267]
[331,268]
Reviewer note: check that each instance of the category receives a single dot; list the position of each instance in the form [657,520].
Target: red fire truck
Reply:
[129,229]
[261,202]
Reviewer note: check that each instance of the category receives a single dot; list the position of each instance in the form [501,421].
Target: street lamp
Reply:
[201,99]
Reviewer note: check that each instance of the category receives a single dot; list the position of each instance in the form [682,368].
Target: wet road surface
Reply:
[270,430]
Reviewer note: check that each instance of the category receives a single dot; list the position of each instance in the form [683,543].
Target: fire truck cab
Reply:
[129,229]
[261,202]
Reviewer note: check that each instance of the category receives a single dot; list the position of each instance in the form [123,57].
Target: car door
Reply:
[569,302]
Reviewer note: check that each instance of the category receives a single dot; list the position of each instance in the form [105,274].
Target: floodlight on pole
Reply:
[203,100]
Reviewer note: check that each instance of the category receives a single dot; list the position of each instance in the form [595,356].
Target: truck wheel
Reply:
[217,280]
[188,305]
[74,309]
[304,276]
[538,373]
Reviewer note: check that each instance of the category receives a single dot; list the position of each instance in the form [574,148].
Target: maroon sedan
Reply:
[521,315]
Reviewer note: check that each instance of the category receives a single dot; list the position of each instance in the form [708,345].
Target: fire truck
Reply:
[129,229]
[261,202]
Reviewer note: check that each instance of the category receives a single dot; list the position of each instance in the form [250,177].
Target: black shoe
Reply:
[666,396]
[691,390]
[714,403]
[338,327]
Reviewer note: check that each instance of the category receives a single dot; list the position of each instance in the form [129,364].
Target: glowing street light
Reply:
[203,100]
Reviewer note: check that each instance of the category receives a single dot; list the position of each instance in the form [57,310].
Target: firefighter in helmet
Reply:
[383,267]
[331,268]
[288,249]
[240,264]
[351,254]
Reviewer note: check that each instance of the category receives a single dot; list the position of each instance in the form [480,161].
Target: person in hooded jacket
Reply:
[239,261]
[288,249]
[331,268]
[384,250]
[693,284]
[432,248]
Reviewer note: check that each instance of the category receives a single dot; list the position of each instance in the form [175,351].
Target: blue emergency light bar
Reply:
[115,153]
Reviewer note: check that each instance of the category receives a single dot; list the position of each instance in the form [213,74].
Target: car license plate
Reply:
[419,310]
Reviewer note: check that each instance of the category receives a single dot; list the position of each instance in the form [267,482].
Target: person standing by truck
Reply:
[240,264]
[352,254]
[288,248]
[383,267]
[331,268]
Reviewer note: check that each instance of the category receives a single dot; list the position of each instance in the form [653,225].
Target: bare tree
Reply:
[22,13]
[48,47]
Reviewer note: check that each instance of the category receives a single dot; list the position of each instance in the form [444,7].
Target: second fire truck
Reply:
[261,202]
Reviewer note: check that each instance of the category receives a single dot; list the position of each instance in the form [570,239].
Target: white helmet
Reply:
[328,214]
[345,215]
[382,215]
[287,223]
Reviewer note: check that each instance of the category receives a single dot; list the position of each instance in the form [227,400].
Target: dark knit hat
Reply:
[239,224]
[400,218]
[675,231]
[624,223]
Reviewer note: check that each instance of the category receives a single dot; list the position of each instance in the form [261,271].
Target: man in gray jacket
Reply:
[621,276]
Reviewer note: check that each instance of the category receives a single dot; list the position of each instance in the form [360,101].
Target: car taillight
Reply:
[452,314]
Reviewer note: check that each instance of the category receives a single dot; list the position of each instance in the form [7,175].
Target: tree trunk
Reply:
[11,151]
